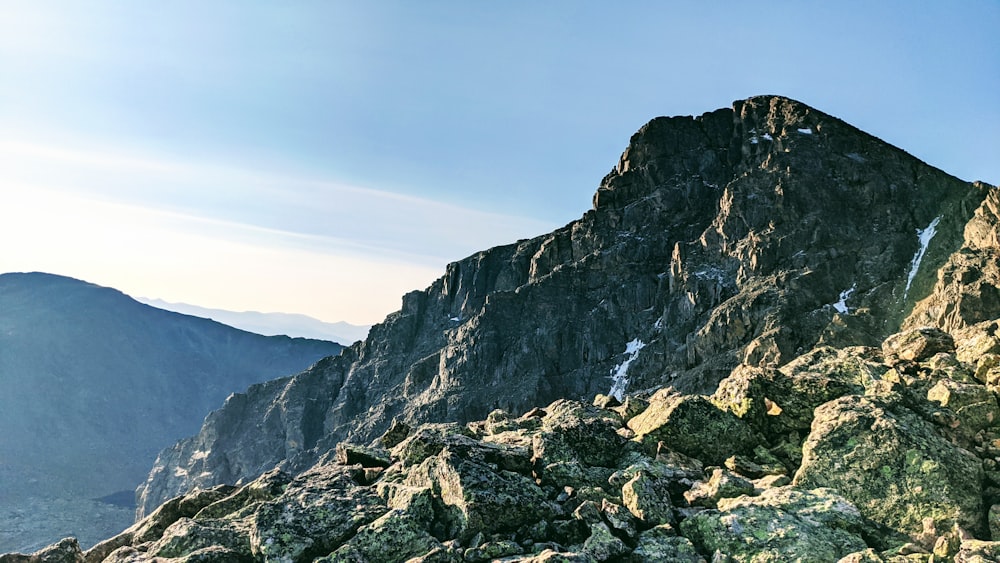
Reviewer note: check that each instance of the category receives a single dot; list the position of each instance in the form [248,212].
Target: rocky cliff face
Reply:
[743,237]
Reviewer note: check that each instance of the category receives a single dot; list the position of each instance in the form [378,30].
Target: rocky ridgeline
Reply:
[748,235]
[856,455]
[791,331]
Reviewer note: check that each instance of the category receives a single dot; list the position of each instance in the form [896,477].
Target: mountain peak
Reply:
[745,236]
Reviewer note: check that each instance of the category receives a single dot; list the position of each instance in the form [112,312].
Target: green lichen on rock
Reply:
[320,510]
[783,524]
[692,425]
[893,466]
[394,536]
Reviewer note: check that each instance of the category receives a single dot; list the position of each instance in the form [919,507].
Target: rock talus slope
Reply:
[744,236]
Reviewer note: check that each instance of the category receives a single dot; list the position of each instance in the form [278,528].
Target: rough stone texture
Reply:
[319,510]
[975,405]
[723,239]
[918,344]
[663,544]
[648,499]
[65,551]
[967,290]
[693,426]
[783,524]
[893,466]
[721,484]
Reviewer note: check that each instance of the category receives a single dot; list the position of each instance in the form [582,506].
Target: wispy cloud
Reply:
[230,237]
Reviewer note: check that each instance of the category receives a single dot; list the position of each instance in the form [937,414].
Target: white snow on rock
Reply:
[619,373]
[806,131]
[841,306]
[200,454]
[925,236]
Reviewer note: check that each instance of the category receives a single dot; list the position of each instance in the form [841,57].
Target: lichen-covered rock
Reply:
[917,345]
[892,466]
[662,543]
[430,439]
[186,536]
[602,545]
[319,510]
[721,484]
[975,405]
[648,499]
[551,556]
[977,551]
[66,550]
[777,401]
[492,551]
[394,536]
[692,425]
[481,498]
[867,556]
[783,524]
[574,431]
[152,527]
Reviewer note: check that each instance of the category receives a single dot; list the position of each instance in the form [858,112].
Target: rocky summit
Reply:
[773,338]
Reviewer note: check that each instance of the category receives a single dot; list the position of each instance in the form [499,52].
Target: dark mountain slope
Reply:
[93,384]
[745,235]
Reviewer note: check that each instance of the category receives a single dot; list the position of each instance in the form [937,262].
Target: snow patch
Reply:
[841,306]
[180,472]
[766,137]
[619,373]
[806,131]
[455,319]
[658,325]
[925,236]
[195,456]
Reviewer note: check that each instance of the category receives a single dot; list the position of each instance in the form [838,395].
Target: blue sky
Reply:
[325,157]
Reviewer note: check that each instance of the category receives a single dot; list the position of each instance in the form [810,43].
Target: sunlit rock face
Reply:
[743,237]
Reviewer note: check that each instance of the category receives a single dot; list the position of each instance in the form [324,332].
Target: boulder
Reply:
[602,545]
[574,431]
[776,401]
[186,536]
[693,426]
[892,466]
[319,510]
[648,499]
[394,536]
[66,550]
[480,498]
[353,454]
[975,405]
[662,543]
[918,344]
[721,484]
[783,524]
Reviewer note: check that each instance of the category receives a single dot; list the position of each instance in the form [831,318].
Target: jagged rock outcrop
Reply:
[747,235]
[888,472]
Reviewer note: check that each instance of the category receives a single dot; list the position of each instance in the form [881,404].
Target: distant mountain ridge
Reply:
[93,384]
[270,324]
